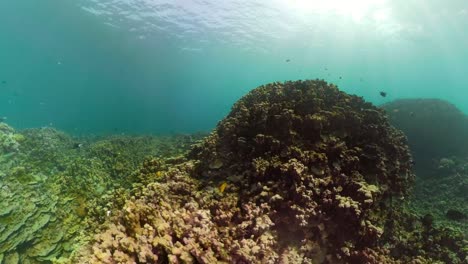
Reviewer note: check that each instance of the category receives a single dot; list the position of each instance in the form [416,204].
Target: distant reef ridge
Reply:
[435,128]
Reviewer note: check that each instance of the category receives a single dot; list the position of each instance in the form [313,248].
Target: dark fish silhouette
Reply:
[77,145]
[288,60]
[383,94]
[340,77]
[3,82]
[455,215]
[427,220]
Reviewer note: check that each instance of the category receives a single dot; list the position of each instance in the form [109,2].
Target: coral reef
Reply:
[438,137]
[444,197]
[31,218]
[435,129]
[321,157]
[9,140]
[298,172]
[50,189]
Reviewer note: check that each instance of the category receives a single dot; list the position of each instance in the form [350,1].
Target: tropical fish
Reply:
[222,187]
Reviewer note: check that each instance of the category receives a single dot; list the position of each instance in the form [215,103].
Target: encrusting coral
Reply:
[308,174]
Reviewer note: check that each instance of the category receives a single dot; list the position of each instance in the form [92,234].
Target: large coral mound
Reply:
[325,131]
[435,129]
[299,172]
[326,163]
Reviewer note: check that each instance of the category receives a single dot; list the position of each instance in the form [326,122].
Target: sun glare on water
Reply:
[357,10]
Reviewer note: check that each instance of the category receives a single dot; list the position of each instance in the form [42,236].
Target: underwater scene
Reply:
[234,131]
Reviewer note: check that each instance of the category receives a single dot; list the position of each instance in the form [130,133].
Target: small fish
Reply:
[4,82]
[77,145]
[3,119]
[427,220]
[411,113]
[222,187]
[340,78]
[383,94]
[326,69]
[288,60]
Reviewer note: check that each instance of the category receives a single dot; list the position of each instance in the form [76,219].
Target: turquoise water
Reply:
[141,66]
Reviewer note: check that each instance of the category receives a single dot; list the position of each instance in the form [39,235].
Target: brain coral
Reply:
[312,176]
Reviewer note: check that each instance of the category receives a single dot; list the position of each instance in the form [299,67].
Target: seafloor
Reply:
[298,172]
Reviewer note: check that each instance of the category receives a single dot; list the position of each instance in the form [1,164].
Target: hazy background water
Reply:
[147,66]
